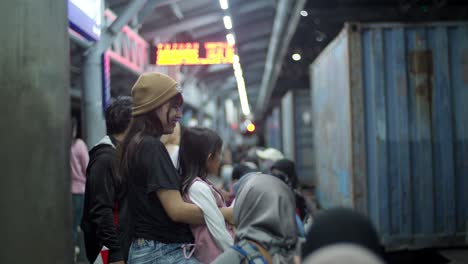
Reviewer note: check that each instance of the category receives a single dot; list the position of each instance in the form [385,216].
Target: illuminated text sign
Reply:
[189,53]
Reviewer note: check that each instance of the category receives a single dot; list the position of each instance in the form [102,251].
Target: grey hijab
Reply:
[264,212]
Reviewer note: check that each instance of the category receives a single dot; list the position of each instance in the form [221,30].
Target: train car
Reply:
[390,129]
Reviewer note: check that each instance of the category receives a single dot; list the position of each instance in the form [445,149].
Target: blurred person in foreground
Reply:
[341,235]
[104,199]
[79,159]
[266,228]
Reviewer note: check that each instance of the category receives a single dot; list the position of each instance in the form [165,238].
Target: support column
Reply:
[35,223]
[93,111]
[94,124]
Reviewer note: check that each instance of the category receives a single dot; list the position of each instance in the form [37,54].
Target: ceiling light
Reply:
[296,56]
[227,22]
[320,36]
[224,4]
[304,13]
[243,98]
[230,39]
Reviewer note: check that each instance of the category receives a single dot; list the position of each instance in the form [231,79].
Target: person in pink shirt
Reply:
[79,159]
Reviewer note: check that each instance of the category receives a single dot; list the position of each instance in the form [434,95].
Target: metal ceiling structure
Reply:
[254,24]
[266,34]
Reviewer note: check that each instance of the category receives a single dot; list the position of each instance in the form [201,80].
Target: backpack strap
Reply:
[250,252]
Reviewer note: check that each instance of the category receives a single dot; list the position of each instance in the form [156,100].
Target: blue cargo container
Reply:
[273,130]
[390,129]
[296,131]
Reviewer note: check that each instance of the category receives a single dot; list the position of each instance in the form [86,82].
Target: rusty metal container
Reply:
[390,129]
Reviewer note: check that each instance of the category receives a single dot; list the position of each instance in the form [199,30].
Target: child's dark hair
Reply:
[196,145]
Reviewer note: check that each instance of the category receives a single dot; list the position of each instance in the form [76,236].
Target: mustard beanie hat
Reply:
[152,90]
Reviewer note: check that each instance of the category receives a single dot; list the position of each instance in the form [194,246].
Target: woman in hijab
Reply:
[266,227]
[341,235]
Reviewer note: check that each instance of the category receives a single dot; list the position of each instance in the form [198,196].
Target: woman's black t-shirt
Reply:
[152,170]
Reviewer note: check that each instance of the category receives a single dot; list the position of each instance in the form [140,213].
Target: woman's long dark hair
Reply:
[147,124]
[196,145]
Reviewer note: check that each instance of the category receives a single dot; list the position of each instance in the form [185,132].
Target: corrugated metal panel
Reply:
[303,136]
[332,124]
[458,55]
[296,130]
[415,118]
[273,130]
[287,125]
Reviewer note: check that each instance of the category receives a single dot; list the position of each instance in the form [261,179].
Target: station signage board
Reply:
[193,53]
[86,17]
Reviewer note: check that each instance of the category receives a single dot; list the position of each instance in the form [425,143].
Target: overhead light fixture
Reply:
[320,36]
[296,56]
[238,72]
[243,97]
[227,22]
[224,4]
[304,13]
[240,85]
[230,39]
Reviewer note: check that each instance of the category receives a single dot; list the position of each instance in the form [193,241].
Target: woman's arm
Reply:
[201,195]
[178,210]
[228,214]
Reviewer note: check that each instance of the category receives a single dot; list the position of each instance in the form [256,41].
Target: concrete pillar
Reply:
[94,122]
[35,200]
[92,108]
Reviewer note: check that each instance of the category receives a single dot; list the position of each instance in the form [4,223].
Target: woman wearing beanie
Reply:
[158,215]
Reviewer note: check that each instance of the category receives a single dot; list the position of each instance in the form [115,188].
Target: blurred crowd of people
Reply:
[154,192]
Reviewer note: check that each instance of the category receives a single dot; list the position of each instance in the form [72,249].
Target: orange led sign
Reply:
[189,53]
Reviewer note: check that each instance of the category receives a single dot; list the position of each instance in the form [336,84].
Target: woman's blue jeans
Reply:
[144,251]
